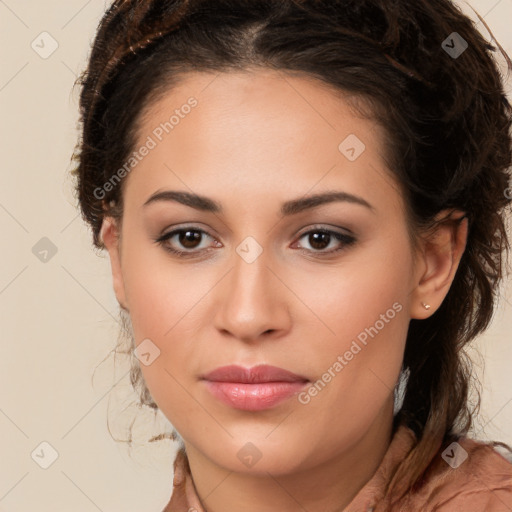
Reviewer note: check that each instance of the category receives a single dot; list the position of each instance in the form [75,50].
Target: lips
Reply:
[253,389]
[256,374]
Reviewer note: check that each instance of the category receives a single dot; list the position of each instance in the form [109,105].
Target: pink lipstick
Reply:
[253,389]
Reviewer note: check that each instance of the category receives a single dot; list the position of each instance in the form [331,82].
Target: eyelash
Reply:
[346,240]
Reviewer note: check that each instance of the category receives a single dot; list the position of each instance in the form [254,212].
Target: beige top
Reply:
[481,483]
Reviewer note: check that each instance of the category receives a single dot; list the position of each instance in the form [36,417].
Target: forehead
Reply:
[257,131]
[256,95]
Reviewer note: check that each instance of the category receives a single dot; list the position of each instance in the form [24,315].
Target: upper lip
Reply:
[256,374]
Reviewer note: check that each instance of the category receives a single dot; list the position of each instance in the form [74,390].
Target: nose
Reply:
[252,301]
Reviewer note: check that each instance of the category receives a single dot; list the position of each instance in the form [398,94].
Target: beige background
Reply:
[58,319]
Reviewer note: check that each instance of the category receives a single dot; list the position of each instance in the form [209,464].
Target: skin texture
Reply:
[254,141]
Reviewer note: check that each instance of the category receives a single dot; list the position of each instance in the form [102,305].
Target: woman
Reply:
[304,206]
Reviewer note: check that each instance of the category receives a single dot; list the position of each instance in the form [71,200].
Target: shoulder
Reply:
[468,475]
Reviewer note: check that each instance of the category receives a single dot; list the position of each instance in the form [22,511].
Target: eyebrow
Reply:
[288,208]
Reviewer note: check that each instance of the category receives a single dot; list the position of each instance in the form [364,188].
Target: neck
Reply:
[328,486]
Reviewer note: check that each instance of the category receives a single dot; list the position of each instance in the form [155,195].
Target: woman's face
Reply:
[260,283]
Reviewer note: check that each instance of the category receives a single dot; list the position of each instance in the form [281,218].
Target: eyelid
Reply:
[345,239]
[179,229]
[326,227]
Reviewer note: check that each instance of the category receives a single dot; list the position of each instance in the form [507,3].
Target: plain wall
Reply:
[58,318]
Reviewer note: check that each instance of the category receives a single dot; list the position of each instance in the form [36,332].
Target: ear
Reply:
[110,234]
[437,260]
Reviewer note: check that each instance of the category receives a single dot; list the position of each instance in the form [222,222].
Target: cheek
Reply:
[158,291]
[158,311]
[167,306]
[367,284]
[364,303]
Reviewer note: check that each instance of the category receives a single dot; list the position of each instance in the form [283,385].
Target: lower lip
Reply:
[253,397]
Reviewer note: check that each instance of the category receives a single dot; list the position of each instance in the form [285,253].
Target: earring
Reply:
[426,306]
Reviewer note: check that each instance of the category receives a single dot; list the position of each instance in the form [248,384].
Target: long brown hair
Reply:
[431,81]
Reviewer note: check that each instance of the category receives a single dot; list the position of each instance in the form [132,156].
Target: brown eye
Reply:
[184,242]
[189,238]
[319,239]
